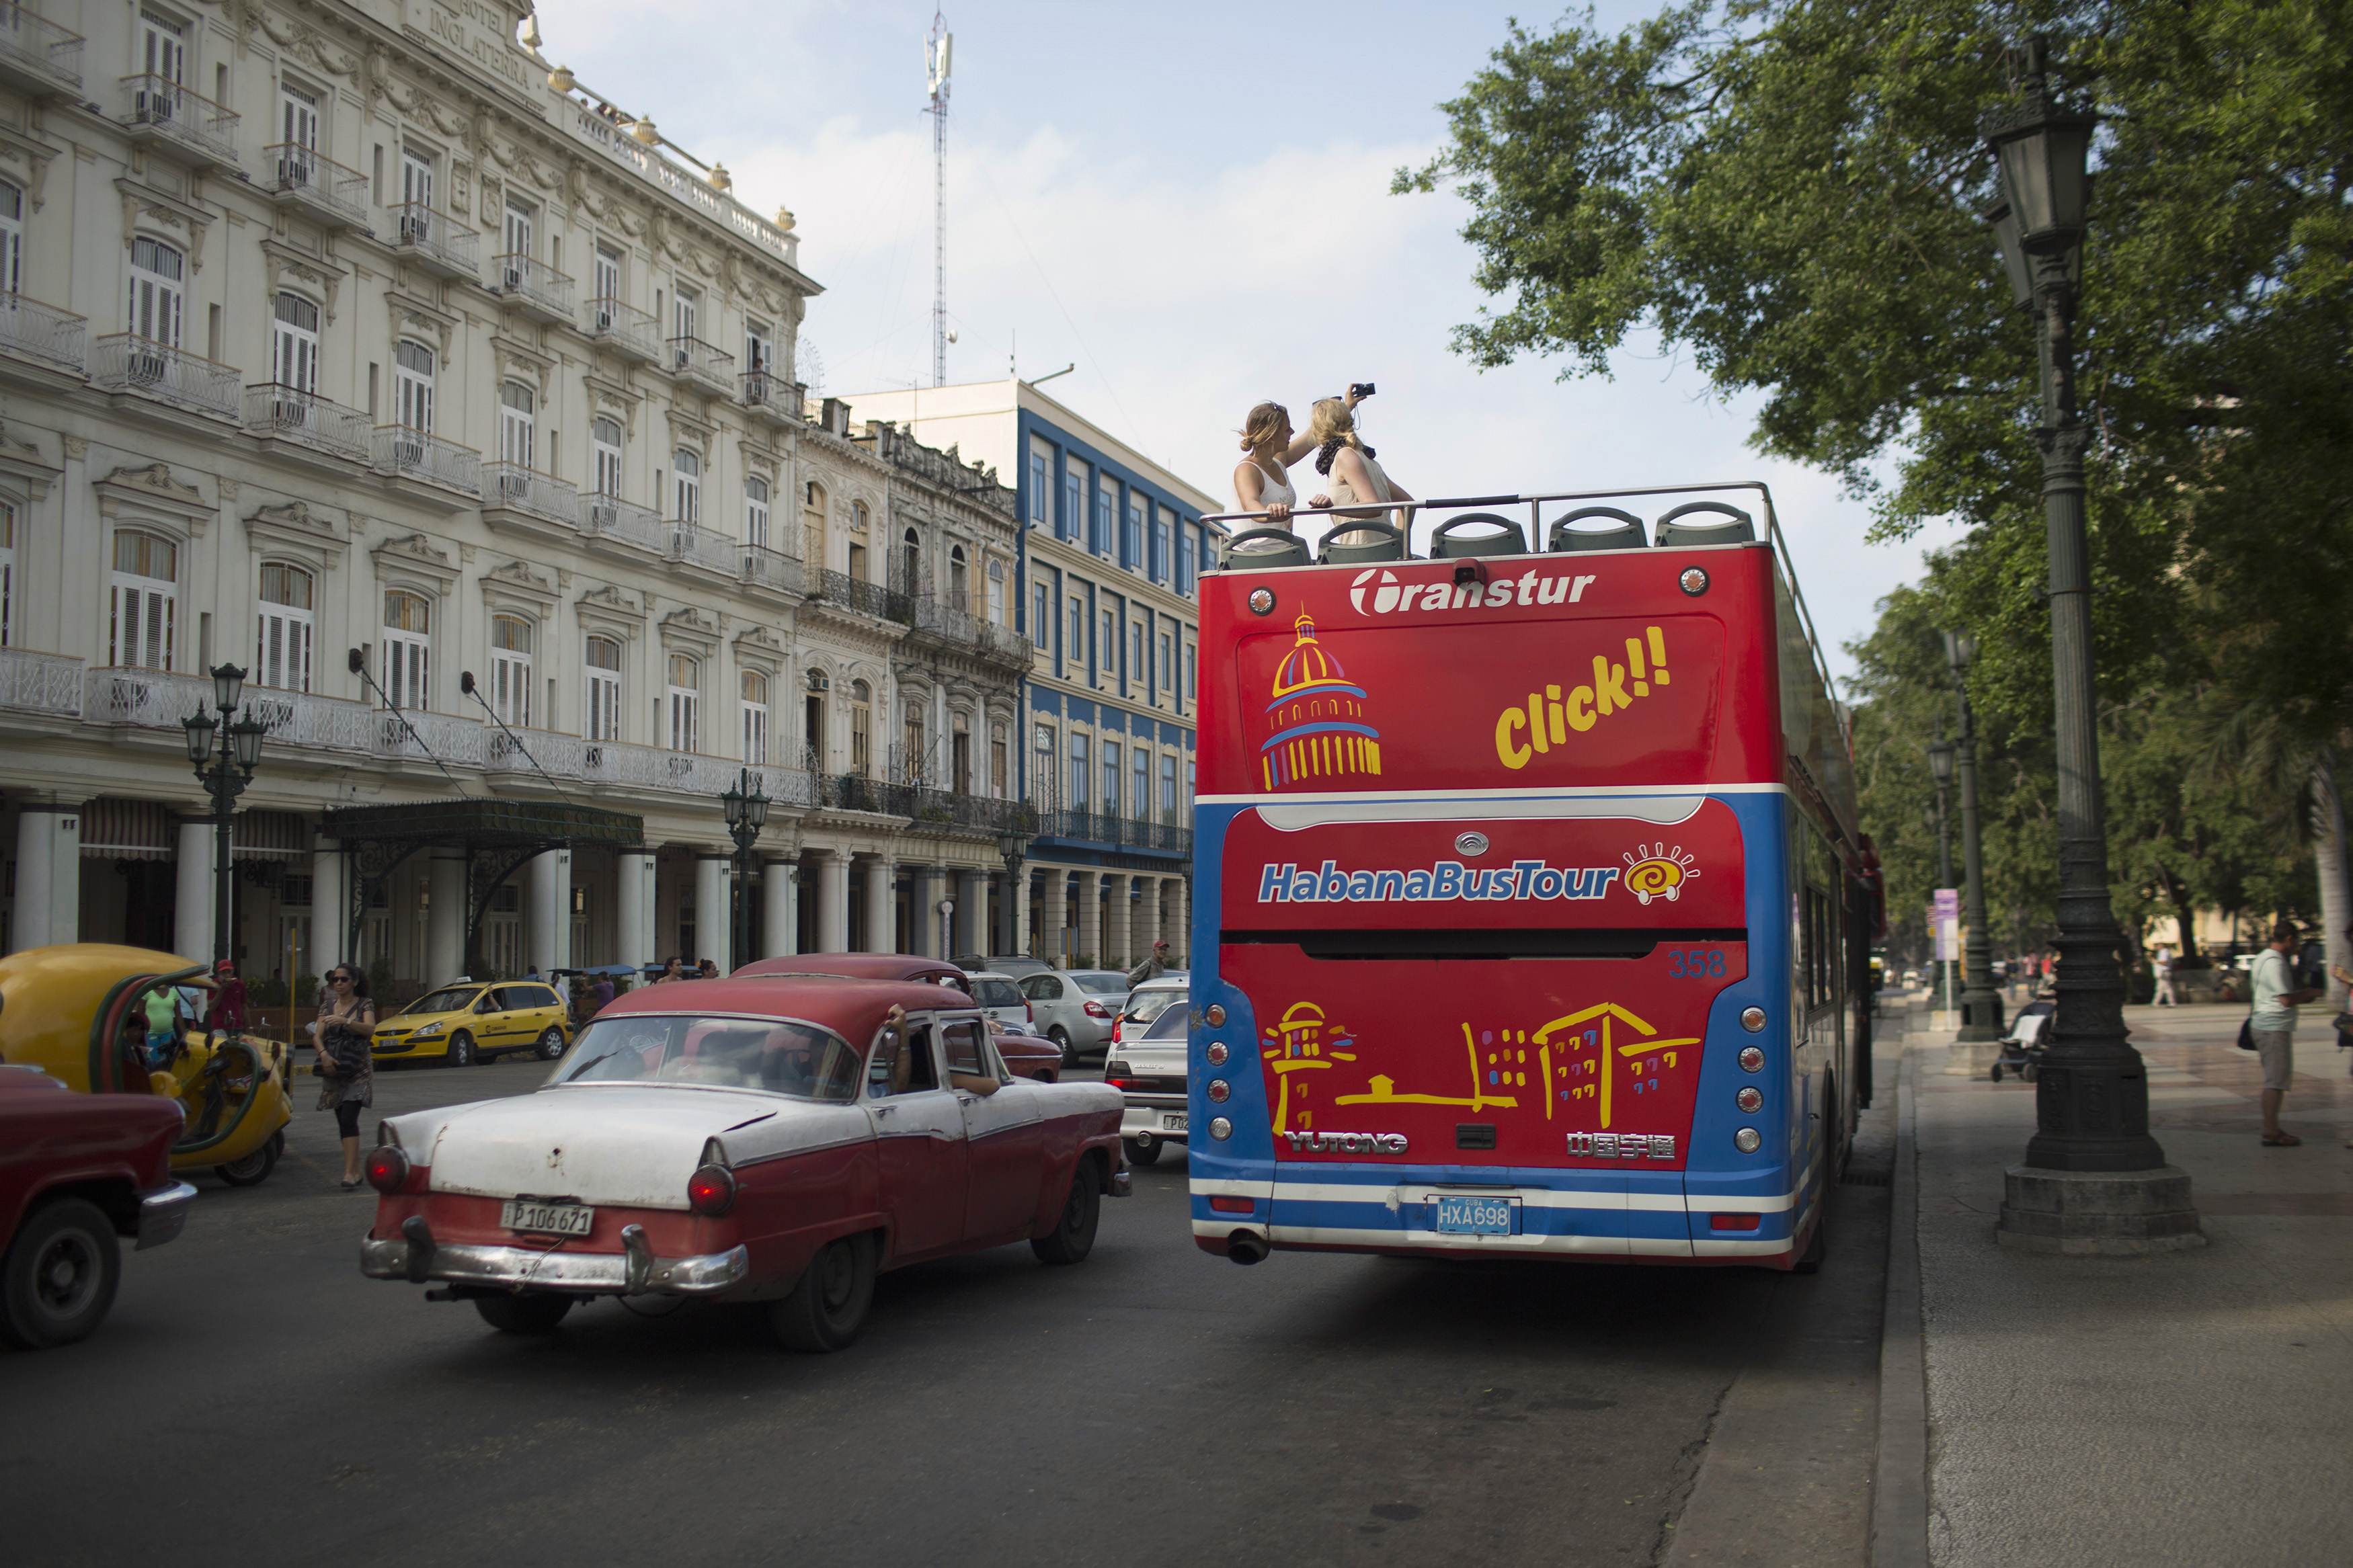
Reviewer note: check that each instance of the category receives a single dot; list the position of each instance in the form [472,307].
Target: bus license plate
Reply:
[548,1219]
[1477,1217]
[1174,1121]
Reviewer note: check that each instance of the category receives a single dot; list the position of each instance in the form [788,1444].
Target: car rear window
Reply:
[1169,1026]
[996,993]
[1100,981]
[1145,1006]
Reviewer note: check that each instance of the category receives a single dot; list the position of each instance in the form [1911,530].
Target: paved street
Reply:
[1154,1405]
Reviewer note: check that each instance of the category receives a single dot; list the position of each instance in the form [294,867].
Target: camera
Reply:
[1360,390]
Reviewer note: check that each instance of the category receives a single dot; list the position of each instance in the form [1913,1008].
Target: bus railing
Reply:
[1359,515]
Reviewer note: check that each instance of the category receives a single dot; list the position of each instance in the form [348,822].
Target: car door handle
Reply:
[883,1110]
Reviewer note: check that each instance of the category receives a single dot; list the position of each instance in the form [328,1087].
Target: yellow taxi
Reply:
[471,1021]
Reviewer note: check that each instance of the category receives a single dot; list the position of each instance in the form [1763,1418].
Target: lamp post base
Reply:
[2097,1213]
[1980,1015]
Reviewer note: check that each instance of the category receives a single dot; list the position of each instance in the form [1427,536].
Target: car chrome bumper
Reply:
[162,1213]
[418,1257]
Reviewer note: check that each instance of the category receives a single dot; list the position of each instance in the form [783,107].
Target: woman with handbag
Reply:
[346,1066]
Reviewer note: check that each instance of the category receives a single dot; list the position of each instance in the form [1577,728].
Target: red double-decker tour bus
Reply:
[1530,912]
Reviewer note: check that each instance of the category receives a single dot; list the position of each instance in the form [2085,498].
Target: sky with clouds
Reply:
[1191,204]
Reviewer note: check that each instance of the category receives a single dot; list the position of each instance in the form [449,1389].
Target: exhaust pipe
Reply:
[1246,1247]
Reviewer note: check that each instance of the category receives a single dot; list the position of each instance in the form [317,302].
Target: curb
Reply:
[1899,1508]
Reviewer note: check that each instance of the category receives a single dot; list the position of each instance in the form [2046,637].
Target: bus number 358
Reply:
[1694,964]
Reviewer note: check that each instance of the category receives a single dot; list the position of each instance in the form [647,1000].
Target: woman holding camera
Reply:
[1344,460]
[1263,479]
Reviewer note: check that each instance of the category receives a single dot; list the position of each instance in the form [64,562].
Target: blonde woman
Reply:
[1342,456]
[1263,479]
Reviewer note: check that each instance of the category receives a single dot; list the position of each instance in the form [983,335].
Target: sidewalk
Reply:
[2192,1409]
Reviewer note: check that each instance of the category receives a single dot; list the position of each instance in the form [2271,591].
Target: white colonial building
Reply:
[355,345]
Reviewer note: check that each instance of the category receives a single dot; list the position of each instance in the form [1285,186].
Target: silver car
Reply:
[1149,1074]
[1075,1009]
[999,996]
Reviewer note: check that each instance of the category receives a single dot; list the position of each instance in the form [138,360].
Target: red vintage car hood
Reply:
[623,1144]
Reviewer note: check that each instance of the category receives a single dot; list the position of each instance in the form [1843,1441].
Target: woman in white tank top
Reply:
[1263,479]
[1356,477]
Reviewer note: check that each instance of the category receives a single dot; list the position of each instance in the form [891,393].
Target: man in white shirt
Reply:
[2273,1024]
[2164,966]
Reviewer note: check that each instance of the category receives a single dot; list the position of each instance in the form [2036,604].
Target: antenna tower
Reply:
[938,45]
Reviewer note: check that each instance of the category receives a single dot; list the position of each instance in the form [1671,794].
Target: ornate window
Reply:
[754,688]
[1168,789]
[861,728]
[510,670]
[686,471]
[158,275]
[960,777]
[1041,615]
[8,573]
[756,511]
[412,385]
[1131,551]
[997,592]
[959,578]
[813,511]
[605,442]
[407,649]
[1139,798]
[914,750]
[145,600]
[294,343]
[282,635]
[12,239]
[1001,761]
[685,702]
[603,656]
[518,425]
[1111,778]
[1078,762]
[911,563]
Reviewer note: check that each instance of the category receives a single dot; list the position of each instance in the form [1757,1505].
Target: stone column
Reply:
[882,904]
[331,914]
[547,902]
[1090,938]
[1148,924]
[635,889]
[1180,921]
[1122,925]
[780,907]
[192,904]
[833,901]
[927,934]
[972,915]
[1057,891]
[445,916]
[711,910]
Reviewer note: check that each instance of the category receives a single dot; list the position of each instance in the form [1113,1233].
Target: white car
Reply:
[1149,1074]
[999,996]
[1147,1001]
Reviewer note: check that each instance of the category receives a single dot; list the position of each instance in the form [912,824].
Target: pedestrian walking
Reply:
[2163,965]
[230,1013]
[1151,968]
[346,1068]
[600,995]
[672,969]
[2273,1024]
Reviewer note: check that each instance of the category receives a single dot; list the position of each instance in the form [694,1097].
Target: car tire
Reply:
[254,1169]
[461,1052]
[537,1313]
[828,1306]
[551,1044]
[57,1279]
[1061,1039]
[1142,1153]
[1073,1236]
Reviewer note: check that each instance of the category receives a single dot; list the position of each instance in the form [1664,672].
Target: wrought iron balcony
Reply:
[691,545]
[609,517]
[436,242]
[540,289]
[771,396]
[699,360]
[41,682]
[943,619]
[623,327]
[291,413]
[420,455]
[848,593]
[512,488]
[128,362]
[856,791]
[38,58]
[1110,828]
[167,113]
[300,176]
[30,330]
[773,570]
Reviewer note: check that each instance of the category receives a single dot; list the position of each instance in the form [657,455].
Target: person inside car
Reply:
[898,1069]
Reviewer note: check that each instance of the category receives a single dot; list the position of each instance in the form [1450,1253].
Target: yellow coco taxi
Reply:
[471,1021]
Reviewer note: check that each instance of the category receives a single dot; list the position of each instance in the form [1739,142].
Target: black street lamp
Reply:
[1940,764]
[2094,1179]
[746,804]
[224,777]
[1012,847]
[1980,1003]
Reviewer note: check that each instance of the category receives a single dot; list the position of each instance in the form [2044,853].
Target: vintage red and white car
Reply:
[777,1139]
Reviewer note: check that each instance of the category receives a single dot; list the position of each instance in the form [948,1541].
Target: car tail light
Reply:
[388,1168]
[1117,1025]
[1120,1076]
[711,1191]
[1097,1010]
[1029,1012]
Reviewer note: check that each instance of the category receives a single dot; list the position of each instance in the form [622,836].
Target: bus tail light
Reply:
[1234,1206]
[1748,1099]
[1733,1221]
[1749,1139]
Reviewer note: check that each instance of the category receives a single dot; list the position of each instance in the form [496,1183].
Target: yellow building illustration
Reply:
[1318,716]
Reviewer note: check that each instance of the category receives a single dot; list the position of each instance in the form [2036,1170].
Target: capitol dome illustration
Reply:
[1318,718]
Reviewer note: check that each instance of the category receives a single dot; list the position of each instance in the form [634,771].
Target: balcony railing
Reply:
[31,329]
[944,616]
[1106,827]
[866,598]
[701,362]
[958,811]
[773,570]
[300,174]
[771,394]
[420,455]
[291,414]
[532,282]
[128,362]
[41,682]
[691,545]
[186,118]
[436,240]
[514,488]
[625,327]
[856,791]
[609,517]
[41,52]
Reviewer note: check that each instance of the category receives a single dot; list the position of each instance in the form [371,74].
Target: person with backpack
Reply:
[2271,1026]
